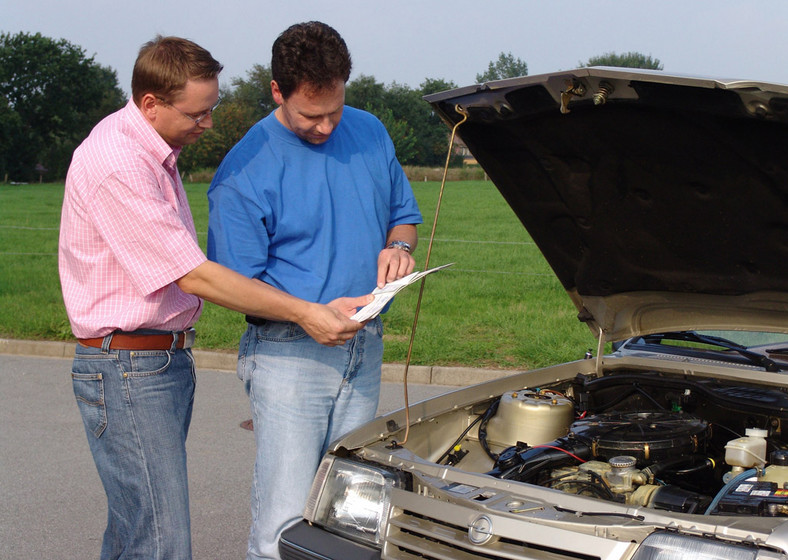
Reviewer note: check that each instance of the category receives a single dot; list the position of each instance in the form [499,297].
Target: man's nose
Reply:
[325,126]
[207,122]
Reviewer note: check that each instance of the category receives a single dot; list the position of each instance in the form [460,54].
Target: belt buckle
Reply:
[188,337]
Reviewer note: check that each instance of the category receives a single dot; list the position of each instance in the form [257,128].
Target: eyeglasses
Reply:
[196,119]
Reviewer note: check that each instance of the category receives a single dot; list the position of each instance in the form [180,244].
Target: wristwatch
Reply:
[402,245]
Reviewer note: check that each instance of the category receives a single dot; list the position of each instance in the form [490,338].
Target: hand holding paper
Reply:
[383,295]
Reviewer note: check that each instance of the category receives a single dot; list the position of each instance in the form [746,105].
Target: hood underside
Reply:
[660,201]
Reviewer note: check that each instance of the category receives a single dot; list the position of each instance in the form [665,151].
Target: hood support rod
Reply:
[464,114]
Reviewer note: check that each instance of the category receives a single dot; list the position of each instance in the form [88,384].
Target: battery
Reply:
[754,498]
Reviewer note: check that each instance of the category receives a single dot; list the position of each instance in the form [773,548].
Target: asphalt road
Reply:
[52,505]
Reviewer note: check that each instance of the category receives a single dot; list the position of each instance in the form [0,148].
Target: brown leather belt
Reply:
[130,341]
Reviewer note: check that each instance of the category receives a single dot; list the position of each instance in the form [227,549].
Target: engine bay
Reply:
[646,440]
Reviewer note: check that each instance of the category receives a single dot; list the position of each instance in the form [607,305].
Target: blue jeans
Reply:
[136,407]
[303,396]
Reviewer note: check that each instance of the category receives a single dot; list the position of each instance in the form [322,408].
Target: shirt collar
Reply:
[150,139]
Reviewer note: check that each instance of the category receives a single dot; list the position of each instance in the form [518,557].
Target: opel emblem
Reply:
[480,531]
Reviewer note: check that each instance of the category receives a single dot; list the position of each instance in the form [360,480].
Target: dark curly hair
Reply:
[310,54]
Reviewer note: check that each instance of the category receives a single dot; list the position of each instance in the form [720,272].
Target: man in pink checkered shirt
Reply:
[133,279]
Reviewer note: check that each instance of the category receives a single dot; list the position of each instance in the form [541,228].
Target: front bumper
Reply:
[303,541]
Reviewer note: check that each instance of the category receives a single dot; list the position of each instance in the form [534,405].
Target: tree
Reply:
[419,135]
[254,91]
[433,133]
[57,94]
[365,93]
[401,133]
[248,101]
[12,132]
[431,85]
[231,120]
[505,67]
[624,60]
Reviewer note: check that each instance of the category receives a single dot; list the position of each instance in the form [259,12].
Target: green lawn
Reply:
[499,305]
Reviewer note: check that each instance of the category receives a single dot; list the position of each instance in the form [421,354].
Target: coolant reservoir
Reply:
[748,451]
[531,417]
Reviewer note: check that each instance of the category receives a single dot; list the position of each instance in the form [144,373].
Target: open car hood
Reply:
[660,201]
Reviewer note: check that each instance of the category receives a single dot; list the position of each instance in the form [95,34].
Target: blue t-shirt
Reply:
[309,219]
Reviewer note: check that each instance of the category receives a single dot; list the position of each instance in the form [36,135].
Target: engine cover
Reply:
[650,437]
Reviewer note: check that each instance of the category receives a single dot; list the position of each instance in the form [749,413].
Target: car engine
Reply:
[645,440]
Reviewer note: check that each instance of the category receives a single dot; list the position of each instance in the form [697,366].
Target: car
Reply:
[660,201]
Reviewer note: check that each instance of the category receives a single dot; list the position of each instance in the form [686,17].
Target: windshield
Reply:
[762,349]
[750,338]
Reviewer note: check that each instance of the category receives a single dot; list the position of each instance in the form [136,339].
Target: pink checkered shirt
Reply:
[126,232]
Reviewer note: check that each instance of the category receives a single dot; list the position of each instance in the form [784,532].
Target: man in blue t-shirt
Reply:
[314,202]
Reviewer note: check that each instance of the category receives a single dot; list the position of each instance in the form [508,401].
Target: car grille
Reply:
[421,527]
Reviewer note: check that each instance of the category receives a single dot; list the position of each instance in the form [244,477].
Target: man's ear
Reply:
[148,106]
[276,93]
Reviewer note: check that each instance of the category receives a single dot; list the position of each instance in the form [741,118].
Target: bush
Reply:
[202,175]
[414,174]
[466,173]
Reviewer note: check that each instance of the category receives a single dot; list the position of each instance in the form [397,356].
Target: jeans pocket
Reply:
[377,325]
[145,363]
[89,391]
[280,331]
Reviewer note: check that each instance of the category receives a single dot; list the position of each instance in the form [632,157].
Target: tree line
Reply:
[52,94]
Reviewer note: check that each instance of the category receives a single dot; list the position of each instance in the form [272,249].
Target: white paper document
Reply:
[383,295]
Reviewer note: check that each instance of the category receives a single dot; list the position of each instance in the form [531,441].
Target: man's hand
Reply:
[396,261]
[327,324]
[330,324]
[349,305]
[393,264]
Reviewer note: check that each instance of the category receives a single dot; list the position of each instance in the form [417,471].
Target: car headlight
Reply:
[351,499]
[672,546]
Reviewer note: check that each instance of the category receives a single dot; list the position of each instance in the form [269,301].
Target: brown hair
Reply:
[311,54]
[165,64]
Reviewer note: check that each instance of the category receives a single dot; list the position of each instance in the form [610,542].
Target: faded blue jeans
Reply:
[303,396]
[136,407]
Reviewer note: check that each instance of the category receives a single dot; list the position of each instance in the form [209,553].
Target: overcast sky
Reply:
[406,41]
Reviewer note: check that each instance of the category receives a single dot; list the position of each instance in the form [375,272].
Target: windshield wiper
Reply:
[692,336]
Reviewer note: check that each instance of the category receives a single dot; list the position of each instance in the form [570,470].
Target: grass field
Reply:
[499,306]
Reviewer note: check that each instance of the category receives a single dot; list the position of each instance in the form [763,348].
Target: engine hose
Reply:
[653,471]
[483,429]
[532,461]
[721,494]
[459,439]
[706,464]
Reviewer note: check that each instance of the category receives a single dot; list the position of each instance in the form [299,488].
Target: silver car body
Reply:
[661,203]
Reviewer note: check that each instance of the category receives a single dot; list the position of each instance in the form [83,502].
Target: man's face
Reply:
[311,115]
[174,118]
